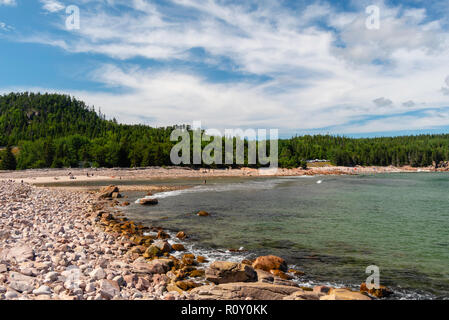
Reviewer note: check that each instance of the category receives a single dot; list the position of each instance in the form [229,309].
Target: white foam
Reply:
[249,185]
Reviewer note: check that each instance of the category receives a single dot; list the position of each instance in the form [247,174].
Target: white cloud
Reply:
[319,77]
[52,5]
[5,27]
[8,2]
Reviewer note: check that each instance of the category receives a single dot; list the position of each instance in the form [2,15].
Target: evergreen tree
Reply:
[8,160]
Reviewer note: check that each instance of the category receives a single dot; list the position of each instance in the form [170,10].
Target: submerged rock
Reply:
[181,235]
[380,292]
[148,201]
[203,214]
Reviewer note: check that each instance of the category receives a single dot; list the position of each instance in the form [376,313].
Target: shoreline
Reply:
[82,248]
[105,176]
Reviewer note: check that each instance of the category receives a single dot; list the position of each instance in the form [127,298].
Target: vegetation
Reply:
[56,131]
[7,160]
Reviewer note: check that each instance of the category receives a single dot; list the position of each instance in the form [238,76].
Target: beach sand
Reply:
[113,176]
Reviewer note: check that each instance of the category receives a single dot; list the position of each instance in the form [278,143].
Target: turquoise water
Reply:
[331,230]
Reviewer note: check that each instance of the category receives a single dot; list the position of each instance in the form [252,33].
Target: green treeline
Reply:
[52,130]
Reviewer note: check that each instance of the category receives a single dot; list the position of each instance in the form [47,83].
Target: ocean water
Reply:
[331,227]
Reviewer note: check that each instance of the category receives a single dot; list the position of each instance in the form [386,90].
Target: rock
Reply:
[381,292]
[120,280]
[296,272]
[163,246]
[321,289]
[303,295]
[280,274]
[116,195]
[248,262]
[3,268]
[181,235]
[20,282]
[98,274]
[197,273]
[157,266]
[162,235]
[42,290]
[109,289]
[107,192]
[125,204]
[11,294]
[148,201]
[90,287]
[264,276]
[268,263]
[137,295]
[152,252]
[188,259]
[201,259]
[131,279]
[187,285]
[171,287]
[138,249]
[203,214]
[225,272]
[20,253]
[243,290]
[344,294]
[142,284]
[178,247]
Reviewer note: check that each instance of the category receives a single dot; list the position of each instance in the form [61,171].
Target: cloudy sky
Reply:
[300,66]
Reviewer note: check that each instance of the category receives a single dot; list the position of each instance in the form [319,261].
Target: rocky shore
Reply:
[60,244]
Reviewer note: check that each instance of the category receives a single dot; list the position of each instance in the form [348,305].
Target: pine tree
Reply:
[8,160]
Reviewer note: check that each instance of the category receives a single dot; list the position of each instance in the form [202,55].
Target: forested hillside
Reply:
[52,130]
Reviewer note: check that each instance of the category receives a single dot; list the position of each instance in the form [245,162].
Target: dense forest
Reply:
[52,130]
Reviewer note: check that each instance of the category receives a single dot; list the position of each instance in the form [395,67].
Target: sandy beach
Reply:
[113,176]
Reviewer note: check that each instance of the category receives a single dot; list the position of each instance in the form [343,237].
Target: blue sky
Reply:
[299,66]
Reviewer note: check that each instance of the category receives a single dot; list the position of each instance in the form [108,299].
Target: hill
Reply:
[53,130]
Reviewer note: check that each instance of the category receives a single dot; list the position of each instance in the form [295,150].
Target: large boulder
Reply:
[107,192]
[268,263]
[226,272]
[243,290]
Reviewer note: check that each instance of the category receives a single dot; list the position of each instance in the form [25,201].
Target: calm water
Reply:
[331,230]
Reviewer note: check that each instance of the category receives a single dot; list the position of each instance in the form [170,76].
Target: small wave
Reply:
[252,185]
